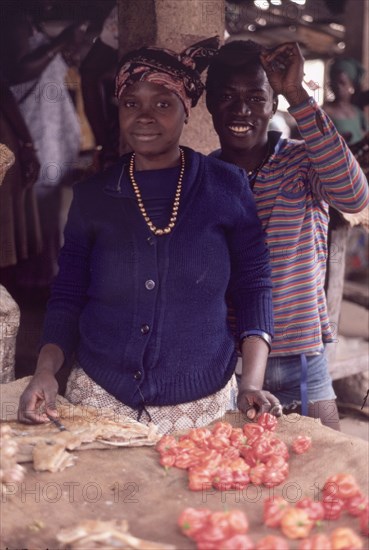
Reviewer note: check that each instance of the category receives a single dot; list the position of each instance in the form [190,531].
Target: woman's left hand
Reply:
[254,402]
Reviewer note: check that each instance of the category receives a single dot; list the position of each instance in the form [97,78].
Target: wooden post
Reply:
[335,281]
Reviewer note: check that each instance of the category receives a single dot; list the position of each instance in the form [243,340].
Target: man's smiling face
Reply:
[241,109]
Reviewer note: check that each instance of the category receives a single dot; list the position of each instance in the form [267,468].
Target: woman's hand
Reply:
[40,394]
[254,402]
[39,398]
[284,67]
[251,399]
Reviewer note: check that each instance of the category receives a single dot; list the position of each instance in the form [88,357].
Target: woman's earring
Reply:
[351,90]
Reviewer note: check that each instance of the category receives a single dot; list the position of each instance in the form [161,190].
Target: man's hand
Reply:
[284,67]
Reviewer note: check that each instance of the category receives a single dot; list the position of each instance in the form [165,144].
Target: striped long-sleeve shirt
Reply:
[292,192]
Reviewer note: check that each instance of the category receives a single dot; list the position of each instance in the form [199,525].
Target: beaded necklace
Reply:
[174,214]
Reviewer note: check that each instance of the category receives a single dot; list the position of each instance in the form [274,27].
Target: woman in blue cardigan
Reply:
[152,247]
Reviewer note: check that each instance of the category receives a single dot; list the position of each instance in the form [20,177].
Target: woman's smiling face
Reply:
[151,119]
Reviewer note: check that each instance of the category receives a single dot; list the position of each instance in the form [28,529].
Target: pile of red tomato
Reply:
[216,530]
[340,493]
[228,530]
[228,458]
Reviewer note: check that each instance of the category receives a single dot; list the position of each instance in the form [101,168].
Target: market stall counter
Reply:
[130,484]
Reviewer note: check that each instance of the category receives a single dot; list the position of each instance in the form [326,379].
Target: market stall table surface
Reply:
[129,483]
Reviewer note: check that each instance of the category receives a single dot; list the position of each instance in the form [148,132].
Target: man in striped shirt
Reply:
[293,183]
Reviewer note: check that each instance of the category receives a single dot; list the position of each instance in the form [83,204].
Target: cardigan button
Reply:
[145,329]
[150,240]
[149,284]
[137,375]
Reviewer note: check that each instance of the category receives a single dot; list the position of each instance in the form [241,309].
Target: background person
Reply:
[293,183]
[345,75]
[35,70]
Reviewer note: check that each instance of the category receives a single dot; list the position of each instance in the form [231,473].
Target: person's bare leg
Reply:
[327,412]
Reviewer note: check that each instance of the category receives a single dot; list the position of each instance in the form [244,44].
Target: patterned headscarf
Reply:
[179,73]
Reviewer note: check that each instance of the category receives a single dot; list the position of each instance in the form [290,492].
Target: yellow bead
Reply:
[140,203]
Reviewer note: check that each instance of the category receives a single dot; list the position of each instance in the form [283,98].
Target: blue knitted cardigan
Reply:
[146,316]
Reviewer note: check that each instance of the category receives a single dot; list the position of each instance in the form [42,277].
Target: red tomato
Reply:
[274,508]
[273,477]
[234,522]
[278,463]
[223,479]
[200,436]
[166,443]
[237,464]
[219,443]
[356,504]
[184,460]
[279,447]
[252,432]
[267,421]
[262,449]
[241,479]
[232,453]
[199,478]
[364,522]
[272,542]
[315,510]
[238,522]
[211,459]
[296,524]
[185,443]
[211,534]
[256,474]
[237,438]
[333,507]
[167,460]
[301,444]
[344,538]
[248,454]
[237,542]
[316,542]
[192,520]
[342,485]
[222,429]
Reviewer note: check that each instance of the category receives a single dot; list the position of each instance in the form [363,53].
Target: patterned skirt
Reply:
[82,390]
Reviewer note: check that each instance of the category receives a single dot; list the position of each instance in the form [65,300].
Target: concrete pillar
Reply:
[175,24]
